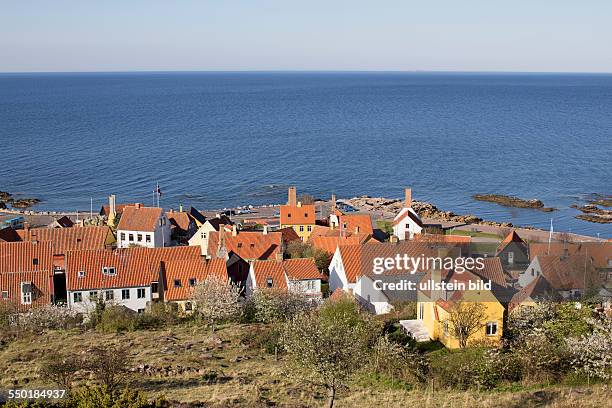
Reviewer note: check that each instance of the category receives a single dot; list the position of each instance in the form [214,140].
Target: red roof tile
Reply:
[67,239]
[297,215]
[139,218]
[264,270]
[190,269]
[600,252]
[248,244]
[301,269]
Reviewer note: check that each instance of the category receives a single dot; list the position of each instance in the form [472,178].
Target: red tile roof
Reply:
[301,269]
[134,266]
[181,220]
[263,270]
[297,215]
[511,237]
[567,273]
[26,262]
[539,287]
[187,269]
[330,243]
[248,244]
[139,218]
[600,252]
[410,215]
[105,210]
[492,271]
[67,239]
[357,223]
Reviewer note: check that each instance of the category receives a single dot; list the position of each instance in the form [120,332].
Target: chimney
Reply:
[26,226]
[138,205]
[357,229]
[408,198]
[292,199]
[265,230]
[234,230]
[221,244]
[333,203]
[180,207]
[112,205]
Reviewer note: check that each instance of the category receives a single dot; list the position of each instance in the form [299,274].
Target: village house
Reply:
[238,248]
[62,222]
[300,217]
[143,226]
[536,291]
[180,277]
[299,275]
[127,277]
[26,274]
[407,222]
[182,225]
[63,240]
[201,236]
[434,309]
[513,252]
[570,276]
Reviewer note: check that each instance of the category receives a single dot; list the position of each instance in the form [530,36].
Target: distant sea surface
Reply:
[216,140]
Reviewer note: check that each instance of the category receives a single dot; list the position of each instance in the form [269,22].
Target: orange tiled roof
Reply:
[178,219]
[565,273]
[492,271]
[269,269]
[410,215]
[139,218]
[105,210]
[67,239]
[297,215]
[511,237]
[26,262]
[289,235]
[600,252]
[537,287]
[301,268]
[357,223]
[187,269]
[248,244]
[330,243]
[134,266]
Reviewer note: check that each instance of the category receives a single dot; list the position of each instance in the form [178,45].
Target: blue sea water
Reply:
[221,139]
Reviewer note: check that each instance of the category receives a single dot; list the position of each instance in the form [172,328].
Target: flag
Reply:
[158,190]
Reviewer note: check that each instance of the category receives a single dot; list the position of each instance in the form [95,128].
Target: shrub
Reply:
[592,354]
[101,397]
[273,305]
[60,369]
[398,362]
[108,365]
[49,317]
[116,319]
[464,369]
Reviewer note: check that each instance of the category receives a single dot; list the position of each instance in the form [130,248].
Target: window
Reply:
[81,274]
[269,282]
[421,311]
[140,293]
[203,235]
[309,228]
[26,293]
[139,237]
[141,311]
[77,297]
[155,287]
[131,237]
[125,294]
[193,282]
[510,257]
[491,328]
[123,236]
[109,270]
[109,295]
[289,215]
[240,245]
[177,283]
[188,306]
[93,295]
[532,272]
[35,261]
[5,294]
[305,215]
[301,228]
[148,238]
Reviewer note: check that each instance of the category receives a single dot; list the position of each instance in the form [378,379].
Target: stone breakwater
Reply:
[423,208]
[18,203]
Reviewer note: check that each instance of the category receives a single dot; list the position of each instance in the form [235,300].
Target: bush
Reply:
[272,305]
[60,369]
[49,317]
[101,397]
[113,319]
[464,369]
[592,354]
[397,362]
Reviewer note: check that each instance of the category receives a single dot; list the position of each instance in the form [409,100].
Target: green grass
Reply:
[473,234]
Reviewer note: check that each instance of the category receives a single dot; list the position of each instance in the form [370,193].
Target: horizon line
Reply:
[288,71]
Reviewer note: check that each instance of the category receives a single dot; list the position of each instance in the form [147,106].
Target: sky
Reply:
[364,35]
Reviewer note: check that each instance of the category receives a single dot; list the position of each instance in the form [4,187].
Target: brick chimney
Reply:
[138,205]
[292,196]
[408,198]
[234,230]
[265,230]
[333,203]
[112,205]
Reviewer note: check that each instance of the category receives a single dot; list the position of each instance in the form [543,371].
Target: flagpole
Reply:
[550,235]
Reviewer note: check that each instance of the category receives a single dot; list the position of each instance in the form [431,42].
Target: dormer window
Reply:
[35,261]
[269,282]
[177,283]
[289,215]
[193,282]
[5,294]
[81,274]
[109,271]
[240,245]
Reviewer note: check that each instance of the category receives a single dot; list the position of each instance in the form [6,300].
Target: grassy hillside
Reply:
[188,365]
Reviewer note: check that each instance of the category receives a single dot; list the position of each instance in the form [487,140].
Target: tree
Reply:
[327,346]
[466,318]
[275,305]
[299,249]
[216,299]
[109,365]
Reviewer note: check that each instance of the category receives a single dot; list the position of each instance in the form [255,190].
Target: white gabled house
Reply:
[202,235]
[407,222]
[345,268]
[296,275]
[143,226]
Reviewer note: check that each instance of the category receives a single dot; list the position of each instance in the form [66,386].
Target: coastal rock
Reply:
[512,201]
[24,202]
[593,213]
[600,199]
[5,196]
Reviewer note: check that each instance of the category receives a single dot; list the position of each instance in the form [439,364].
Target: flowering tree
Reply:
[466,318]
[274,305]
[216,299]
[592,354]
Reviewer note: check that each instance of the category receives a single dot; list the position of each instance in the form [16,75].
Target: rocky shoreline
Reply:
[592,213]
[512,201]
[18,203]
[423,208]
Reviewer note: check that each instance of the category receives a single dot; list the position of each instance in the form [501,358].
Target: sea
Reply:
[223,139]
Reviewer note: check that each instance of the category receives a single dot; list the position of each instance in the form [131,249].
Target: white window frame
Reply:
[140,291]
[109,270]
[123,294]
[488,329]
[77,297]
[26,296]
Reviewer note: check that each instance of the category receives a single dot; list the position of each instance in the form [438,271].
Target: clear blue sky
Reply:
[449,35]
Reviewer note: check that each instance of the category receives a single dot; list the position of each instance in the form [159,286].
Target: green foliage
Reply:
[464,369]
[102,397]
[273,305]
[114,319]
[60,369]
[299,249]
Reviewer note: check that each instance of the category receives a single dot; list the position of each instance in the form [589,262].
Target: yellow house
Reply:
[434,308]
[300,217]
